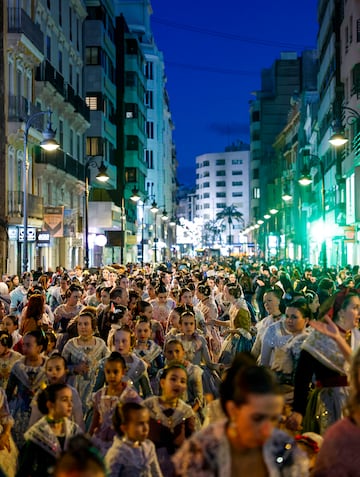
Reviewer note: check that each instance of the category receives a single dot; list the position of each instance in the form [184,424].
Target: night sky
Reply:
[214,53]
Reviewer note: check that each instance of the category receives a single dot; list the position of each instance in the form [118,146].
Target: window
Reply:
[70,24]
[206,185]
[237,173]
[70,74]
[149,158]
[131,47]
[94,102]
[220,205]
[206,174]
[71,149]
[255,174]
[220,162]
[60,61]
[132,143]
[48,47]
[236,161]
[94,146]
[60,12]
[256,192]
[237,194]
[149,70]
[206,206]
[206,163]
[206,195]
[358,31]
[220,173]
[150,129]
[130,78]
[131,110]
[92,55]
[131,174]
[221,194]
[78,34]
[220,184]
[61,133]
[237,183]
[149,99]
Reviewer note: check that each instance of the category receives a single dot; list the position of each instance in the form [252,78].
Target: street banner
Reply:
[54,221]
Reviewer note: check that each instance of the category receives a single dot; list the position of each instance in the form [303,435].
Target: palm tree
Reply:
[214,229]
[228,215]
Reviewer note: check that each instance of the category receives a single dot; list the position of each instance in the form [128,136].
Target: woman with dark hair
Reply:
[238,326]
[34,315]
[19,294]
[83,354]
[321,357]
[27,376]
[47,438]
[339,456]
[208,309]
[162,305]
[248,437]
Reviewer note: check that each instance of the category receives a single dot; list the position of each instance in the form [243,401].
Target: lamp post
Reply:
[305,180]
[101,176]
[155,209]
[338,138]
[49,144]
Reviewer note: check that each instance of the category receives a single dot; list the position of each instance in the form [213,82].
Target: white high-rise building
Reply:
[222,181]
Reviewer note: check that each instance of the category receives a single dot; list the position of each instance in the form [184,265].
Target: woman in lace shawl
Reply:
[83,354]
[238,326]
[248,437]
[322,357]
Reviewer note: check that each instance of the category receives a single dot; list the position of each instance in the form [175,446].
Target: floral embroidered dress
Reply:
[132,459]
[197,352]
[8,459]
[6,364]
[136,374]
[24,381]
[210,312]
[105,405]
[207,454]
[320,357]
[154,359]
[239,337]
[43,447]
[169,427]
[75,354]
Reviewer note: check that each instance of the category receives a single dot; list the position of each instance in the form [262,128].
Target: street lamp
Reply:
[306,180]
[338,138]
[49,144]
[101,176]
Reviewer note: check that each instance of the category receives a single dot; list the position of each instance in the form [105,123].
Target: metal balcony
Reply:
[60,160]
[20,22]
[35,205]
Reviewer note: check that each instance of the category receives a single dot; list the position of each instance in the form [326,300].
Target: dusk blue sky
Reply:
[214,53]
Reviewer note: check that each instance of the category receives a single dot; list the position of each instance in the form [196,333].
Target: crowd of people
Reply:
[183,369]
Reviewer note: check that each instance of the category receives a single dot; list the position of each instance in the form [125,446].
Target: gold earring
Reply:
[233,430]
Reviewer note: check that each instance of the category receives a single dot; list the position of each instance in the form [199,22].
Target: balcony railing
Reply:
[20,22]
[35,205]
[46,72]
[20,108]
[60,160]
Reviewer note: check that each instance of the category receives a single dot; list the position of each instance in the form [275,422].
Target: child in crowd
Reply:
[123,342]
[147,349]
[47,438]
[132,453]
[7,357]
[171,419]
[107,398]
[26,378]
[8,450]
[10,323]
[57,373]
[145,309]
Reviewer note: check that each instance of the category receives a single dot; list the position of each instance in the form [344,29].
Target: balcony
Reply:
[35,205]
[46,72]
[20,22]
[20,109]
[60,160]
